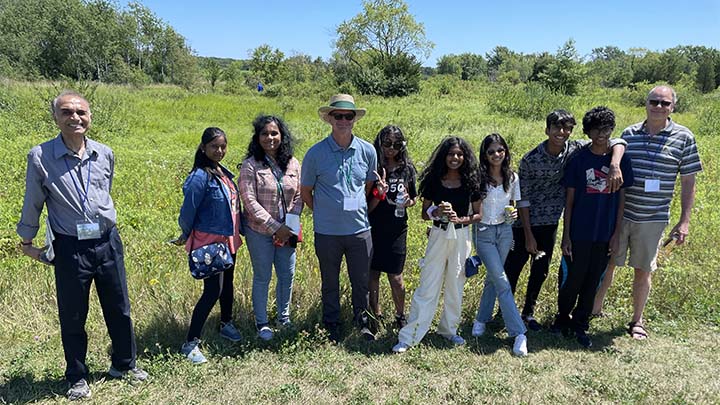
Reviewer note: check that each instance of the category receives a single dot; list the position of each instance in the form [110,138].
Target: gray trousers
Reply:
[358,252]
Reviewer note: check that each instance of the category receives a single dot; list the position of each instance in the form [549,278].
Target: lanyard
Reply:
[83,196]
[655,154]
[277,173]
[345,174]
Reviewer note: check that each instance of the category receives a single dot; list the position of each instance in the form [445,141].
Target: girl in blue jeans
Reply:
[493,238]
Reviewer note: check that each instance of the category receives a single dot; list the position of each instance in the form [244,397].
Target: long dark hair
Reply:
[402,158]
[285,150]
[209,135]
[505,170]
[436,169]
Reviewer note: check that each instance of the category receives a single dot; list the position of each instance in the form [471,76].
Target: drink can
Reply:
[509,209]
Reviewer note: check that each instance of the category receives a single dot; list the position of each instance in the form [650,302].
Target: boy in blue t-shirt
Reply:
[591,223]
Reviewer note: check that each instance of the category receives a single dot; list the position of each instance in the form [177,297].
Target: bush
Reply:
[529,101]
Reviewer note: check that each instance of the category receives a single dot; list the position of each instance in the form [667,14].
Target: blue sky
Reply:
[231,28]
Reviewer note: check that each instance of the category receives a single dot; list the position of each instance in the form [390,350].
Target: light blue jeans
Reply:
[492,244]
[263,254]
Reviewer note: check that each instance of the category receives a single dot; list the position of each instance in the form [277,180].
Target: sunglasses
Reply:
[656,103]
[491,152]
[339,116]
[397,145]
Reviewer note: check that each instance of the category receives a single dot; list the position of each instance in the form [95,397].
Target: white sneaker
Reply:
[478,328]
[520,346]
[400,347]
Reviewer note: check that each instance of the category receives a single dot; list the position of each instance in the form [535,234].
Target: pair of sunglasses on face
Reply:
[347,116]
[656,103]
[491,152]
[397,145]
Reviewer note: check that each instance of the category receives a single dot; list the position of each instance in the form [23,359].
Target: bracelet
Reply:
[376,194]
[23,243]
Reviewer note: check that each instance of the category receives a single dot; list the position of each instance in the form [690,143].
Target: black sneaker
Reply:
[532,323]
[367,334]
[557,329]
[333,330]
[400,321]
[78,390]
[583,339]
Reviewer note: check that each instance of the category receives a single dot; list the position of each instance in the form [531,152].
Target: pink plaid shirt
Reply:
[260,197]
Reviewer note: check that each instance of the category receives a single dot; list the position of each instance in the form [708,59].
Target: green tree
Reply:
[267,64]
[213,72]
[383,46]
[562,72]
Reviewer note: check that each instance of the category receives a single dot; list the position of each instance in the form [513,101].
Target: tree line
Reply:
[378,51]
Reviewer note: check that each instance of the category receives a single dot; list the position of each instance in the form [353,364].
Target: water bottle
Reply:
[400,204]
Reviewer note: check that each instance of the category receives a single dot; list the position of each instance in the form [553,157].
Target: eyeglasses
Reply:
[339,116]
[397,145]
[656,103]
[491,152]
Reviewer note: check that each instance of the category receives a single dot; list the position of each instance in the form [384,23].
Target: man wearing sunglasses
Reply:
[659,150]
[337,175]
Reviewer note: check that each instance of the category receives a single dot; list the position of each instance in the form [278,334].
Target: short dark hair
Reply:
[559,118]
[599,117]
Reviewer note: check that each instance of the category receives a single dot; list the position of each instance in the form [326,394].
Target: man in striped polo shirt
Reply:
[659,149]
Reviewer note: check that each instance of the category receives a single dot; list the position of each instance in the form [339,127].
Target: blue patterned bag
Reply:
[209,260]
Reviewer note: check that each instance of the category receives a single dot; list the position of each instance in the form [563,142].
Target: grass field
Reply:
[154,132]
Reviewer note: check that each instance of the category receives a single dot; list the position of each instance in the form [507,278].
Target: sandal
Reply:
[637,331]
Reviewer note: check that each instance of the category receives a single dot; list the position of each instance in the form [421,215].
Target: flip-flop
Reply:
[637,331]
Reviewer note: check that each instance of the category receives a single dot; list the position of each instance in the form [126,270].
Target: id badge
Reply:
[652,185]
[87,230]
[351,204]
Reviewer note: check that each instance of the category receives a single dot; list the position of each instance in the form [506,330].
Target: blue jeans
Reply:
[492,244]
[263,254]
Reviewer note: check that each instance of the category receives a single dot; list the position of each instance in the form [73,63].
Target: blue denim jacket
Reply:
[206,206]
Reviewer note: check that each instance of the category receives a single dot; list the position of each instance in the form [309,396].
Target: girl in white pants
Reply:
[450,188]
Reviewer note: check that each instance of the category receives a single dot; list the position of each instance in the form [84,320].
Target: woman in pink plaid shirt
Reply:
[270,192]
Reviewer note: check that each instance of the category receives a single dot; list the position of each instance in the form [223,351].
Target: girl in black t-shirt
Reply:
[450,189]
[388,219]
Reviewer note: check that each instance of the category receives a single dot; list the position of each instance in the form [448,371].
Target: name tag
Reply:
[87,230]
[351,204]
[652,185]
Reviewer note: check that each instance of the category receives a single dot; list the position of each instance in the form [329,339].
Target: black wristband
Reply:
[23,243]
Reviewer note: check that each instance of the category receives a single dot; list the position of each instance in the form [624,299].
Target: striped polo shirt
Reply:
[660,157]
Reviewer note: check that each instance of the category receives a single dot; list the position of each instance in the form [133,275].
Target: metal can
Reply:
[509,209]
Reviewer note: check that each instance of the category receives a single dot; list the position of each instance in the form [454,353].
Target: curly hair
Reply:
[599,117]
[437,168]
[507,174]
[201,160]
[285,150]
[402,158]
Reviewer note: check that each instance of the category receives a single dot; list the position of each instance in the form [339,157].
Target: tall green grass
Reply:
[154,132]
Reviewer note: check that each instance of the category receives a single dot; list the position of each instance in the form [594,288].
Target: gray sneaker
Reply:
[136,373]
[78,390]
[230,332]
[192,352]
